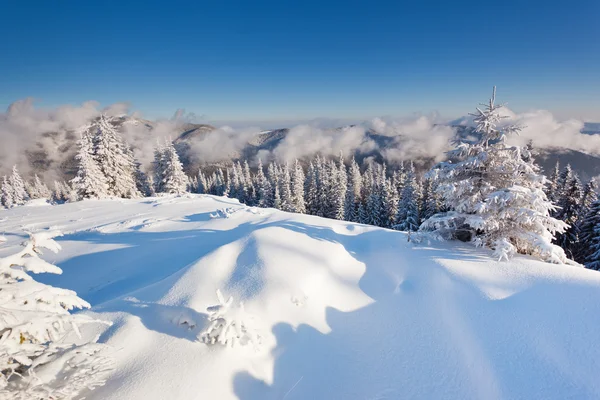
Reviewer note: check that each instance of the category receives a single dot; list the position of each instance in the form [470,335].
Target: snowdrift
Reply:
[341,310]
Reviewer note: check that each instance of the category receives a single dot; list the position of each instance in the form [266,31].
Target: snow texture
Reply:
[344,310]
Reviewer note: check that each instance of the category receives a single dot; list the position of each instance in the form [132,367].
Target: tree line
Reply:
[487,191]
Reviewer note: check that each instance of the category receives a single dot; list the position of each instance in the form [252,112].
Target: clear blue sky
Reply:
[285,59]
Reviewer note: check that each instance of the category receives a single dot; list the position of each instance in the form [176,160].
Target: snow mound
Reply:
[343,310]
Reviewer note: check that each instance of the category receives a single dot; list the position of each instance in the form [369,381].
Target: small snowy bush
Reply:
[37,360]
[229,325]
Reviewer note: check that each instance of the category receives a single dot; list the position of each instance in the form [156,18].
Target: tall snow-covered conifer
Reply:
[90,182]
[496,193]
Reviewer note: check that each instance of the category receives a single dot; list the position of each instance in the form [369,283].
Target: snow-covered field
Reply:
[343,311]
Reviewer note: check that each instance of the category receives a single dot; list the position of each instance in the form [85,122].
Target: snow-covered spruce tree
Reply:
[408,208]
[203,186]
[263,187]
[338,188]
[552,188]
[19,194]
[249,188]
[158,167]
[298,188]
[353,194]
[38,189]
[569,204]
[90,182]
[588,232]
[311,190]
[496,195]
[38,357]
[6,193]
[174,180]
[115,160]
[285,189]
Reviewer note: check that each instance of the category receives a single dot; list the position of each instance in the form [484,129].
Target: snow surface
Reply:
[343,310]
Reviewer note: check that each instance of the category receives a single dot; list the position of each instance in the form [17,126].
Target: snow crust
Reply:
[343,310]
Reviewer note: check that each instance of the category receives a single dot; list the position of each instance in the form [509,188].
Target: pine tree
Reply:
[174,179]
[6,195]
[285,190]
[311,190]
[496,194]
[587,233]
[569,204]
[115,160]
[353,194]
[552,189]
[19,194]
[39,190]
[203,186]
[408,211]
[298,188]
[249,189]
[158,166]
[35,323]
[263,187]
[90,182]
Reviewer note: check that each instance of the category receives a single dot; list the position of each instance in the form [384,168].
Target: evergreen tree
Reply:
[339,186]
[553,189]
[115,160]
[159,167]
[587,233]
[39,190]
[353,194]
[263,187]
[90,182]
[19,194]
[496,194]
[174,179]
[569,204]
[298,188]
[203,186]
[36,324]
[6,194]
[311,190]
[285,190]
[408,211]
[249,189]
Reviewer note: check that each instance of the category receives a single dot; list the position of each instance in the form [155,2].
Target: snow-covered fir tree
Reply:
[6,193]
[38,189]
[496,193]
[263,187]
[249,189]
[552,188]
[174,180]
[298,188]
[36,360]
[115,160]
[19,194]
[408,207]
[353,194]
[570,207]
[90,182]
[587,232]
[310,189]
[285,189]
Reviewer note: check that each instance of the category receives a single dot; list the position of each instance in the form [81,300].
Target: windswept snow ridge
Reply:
[343,310]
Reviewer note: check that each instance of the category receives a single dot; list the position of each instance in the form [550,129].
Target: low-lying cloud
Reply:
[24,128]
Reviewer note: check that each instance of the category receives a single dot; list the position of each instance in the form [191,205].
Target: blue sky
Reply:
[292,60]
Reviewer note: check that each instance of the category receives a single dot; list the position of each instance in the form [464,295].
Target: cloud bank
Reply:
[25,128]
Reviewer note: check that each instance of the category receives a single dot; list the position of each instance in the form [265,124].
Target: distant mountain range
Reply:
[187,135]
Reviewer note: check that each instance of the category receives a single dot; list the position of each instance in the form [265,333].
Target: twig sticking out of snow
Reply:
[229,325]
